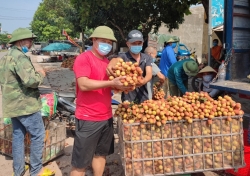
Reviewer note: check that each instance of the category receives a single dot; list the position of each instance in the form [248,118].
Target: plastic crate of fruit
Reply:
[54,145]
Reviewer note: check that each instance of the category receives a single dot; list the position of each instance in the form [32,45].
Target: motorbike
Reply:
[66,107]
[196,82]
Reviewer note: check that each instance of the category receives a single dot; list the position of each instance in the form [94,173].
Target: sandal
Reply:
[47,172]
[26,167]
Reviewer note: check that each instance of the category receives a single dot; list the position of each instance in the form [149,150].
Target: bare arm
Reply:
[86,84]
[161,77]
[148,76]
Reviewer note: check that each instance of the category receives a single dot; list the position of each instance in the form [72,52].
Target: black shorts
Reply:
[92,139]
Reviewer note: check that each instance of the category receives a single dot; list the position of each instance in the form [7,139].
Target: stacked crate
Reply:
[54,142]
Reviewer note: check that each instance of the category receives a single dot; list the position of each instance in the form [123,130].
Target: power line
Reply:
[13,19]
[4,8]
[1,16]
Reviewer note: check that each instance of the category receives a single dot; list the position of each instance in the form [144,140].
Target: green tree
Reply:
[125,15]
[4,38]
[50,19]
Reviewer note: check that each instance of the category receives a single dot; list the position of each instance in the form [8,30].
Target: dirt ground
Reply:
[61,79]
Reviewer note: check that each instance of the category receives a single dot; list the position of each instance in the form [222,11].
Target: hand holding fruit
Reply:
[141,82]
[118,84]
[132,71]
[161,81]
[111,66]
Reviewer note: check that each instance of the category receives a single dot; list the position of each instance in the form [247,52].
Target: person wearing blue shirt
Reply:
[167,59]
[178,75]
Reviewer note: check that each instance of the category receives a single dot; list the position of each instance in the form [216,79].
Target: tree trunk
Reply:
[205,4]
[83,41]
[119,29]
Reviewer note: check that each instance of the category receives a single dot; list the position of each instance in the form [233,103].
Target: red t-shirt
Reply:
[94,105]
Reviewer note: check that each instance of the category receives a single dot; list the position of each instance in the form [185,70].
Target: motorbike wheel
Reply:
[195,83]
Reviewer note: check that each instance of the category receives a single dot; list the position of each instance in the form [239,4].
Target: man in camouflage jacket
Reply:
[19,82]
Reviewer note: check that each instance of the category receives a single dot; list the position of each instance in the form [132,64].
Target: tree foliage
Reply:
[50,19]
[4,38]
[125,15]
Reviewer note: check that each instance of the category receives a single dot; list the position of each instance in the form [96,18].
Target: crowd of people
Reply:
[94,139]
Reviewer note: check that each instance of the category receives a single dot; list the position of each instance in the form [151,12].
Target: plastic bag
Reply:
[49,104]
[7,121]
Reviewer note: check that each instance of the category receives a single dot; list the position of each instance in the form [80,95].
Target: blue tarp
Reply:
[56,47]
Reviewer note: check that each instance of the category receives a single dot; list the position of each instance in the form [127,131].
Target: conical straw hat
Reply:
[207,69]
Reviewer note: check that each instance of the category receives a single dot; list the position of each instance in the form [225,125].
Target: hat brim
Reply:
[104,36]
[171,41]
[188,72]
[135,40]
[207,69]
[17,39]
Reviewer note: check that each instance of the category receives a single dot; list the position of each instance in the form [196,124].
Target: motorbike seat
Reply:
[45,90]
[66,94]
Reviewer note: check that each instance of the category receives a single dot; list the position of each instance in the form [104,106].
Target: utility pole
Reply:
[209,31]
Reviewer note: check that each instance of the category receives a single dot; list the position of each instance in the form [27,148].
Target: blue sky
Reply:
[17,13]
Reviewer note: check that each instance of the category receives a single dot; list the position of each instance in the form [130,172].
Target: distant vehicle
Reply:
[37,46]
[180,53]
[70,52]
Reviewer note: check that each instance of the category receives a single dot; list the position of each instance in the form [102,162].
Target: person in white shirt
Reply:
[156,72]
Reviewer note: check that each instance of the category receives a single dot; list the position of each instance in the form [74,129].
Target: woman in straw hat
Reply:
[207,74]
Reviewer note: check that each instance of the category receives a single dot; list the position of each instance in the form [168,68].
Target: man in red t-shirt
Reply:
[94,138]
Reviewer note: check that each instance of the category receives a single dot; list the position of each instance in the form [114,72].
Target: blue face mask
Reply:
[136,49]
[173,45]
[207,78]
[215,43]
[104,48]
[154,59]
[25,49]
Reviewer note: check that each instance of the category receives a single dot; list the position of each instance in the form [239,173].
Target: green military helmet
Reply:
[171,40]
[191,68]
[20,34]
[103,32]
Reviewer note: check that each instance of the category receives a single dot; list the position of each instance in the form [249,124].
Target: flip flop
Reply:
[47,172]
[26,167]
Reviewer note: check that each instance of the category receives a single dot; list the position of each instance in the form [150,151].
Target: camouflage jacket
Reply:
[19,83]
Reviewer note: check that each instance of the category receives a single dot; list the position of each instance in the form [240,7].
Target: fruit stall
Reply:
[177,135]
[181,135]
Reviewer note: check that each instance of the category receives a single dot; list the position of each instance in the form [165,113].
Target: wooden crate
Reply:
[54,144]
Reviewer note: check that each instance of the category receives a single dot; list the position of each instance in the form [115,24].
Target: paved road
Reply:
[2,54]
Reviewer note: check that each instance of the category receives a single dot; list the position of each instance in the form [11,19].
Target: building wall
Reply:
[191,32]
